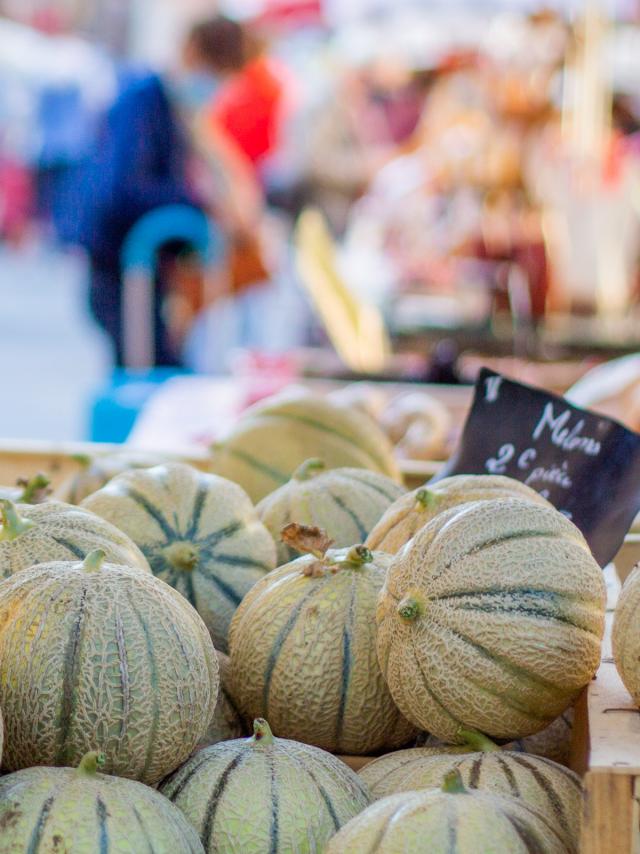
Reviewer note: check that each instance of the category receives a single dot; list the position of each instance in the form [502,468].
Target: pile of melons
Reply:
[185,656]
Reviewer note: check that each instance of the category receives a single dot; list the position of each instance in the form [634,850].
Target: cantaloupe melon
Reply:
[344,502]
[411,512]
[99,655]
[31,534]
[200,534]
[445,820]
[94,472]
[626,635]
[227,722]
[34,490]
[555,791]
[80,811]
[265,794]
[303,654]
[491,619]
[276,436]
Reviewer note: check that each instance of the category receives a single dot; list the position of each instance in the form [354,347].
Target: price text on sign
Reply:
[587,465]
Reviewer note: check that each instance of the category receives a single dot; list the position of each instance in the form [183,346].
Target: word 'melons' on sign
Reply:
[586,465]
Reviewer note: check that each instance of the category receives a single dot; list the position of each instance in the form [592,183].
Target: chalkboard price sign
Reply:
[586,465]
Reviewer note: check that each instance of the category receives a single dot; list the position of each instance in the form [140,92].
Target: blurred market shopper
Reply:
[152,152]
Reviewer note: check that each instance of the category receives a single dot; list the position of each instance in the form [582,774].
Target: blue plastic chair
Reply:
[116,407]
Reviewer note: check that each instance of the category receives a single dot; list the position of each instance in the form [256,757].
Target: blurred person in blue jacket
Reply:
[149,154]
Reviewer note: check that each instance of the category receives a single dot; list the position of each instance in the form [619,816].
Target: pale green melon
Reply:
[491,619]
[227,722]
[95,654]
[555,791]
[80,811]
[345,502]
[303,653]
[200,534]
[273,438]
[446,820]
[94,472]
[32,534]
[35,490]
[413,511]
[265,794]
[626,635]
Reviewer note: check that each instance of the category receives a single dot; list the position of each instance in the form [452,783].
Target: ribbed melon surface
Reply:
[200,534]
[491,619]
[436,822]
[108,658]
[413,511]
[345,502]
[303,655]
[626,635]
[79,811]
[266,794]
[56,531]
[273,438]
[94,473]
[553,790]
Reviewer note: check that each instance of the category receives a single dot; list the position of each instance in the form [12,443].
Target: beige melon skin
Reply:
[491,619]
[81,811]
[438,822]
[266,794]
[555,791]
[303,655]
[413,511]
[102,656]
[227,723]
[200,534]
[276,436]
[54,531]
[96,472]
[345,502]
[626,635]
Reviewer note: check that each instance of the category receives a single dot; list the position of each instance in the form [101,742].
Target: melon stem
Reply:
[183,556]
[358,555]
[261,733]
[33,487]
[452,783]
[83,460]
[409,609]
[13,525]
[91,762]
[426,498]
[94,561]
[308,469]
[478,740]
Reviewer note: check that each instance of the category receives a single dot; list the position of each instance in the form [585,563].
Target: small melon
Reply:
[276,436]
[94,472]
[344,502]
[626,635]
[265,794]
[32,534]
[93,654]
[412,511]
[303,653]
[227,722]
[452,818]
[491,619]
[80,810]
[35,490]
[200,534]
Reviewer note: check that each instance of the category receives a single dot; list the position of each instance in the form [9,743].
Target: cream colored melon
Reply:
[272,439]
[31,534]
[265,794]
[95,472]
[200,534]
[80,811]
[99,655]
[555,791]
[412,511]
[491,619]
[446,820]
[303,654]
[344,502]
[626,635]
[227,722]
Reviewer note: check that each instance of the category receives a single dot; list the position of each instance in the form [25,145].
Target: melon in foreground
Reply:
[626,635]
[491,619]
[82,811]
[344,502]
[265,795]
[303,653]
[413,511]
[32,534]
[200,534]
[272,439]
[555,791]
[449,819]
[93,654]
